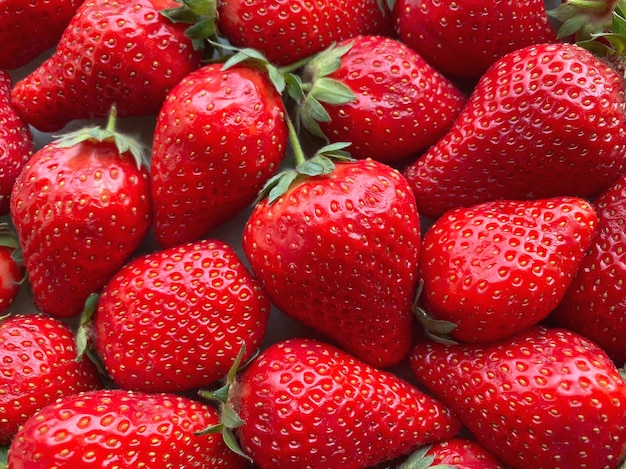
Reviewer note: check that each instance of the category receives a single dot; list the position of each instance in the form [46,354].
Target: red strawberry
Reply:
[304,403]
[81,207]
[38,365]
[594,304]
[176,319]
[339,252]
[496,268]
[219,136]
[379,95]
[544,121]
[28,28]
[123,52]
[455,453]
[542,399]
[16,141]
[117,428]
[11,267]
[462,39]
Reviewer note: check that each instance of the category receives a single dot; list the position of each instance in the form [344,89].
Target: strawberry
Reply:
[545,398]
[381,96]
[11,267]
[462,40]
[81,206]
[121,52]
[38,365]
[305,403]
[544,121]
[125,429]
[219,136]
[339,252]
[16,142]
[29,28]
[454,453]
[498,267]
[174,320]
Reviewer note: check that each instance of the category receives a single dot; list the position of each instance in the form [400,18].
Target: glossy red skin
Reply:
[309,404]
[38,366]
[340,253]
[286,31]
[79,213]
[546,398]
[402,105]
[124,53]
[175,320]
[219,136]
[117,428]
[16,141]
[28,28]
[497,268]
[462,453]
[11,275]
[595,304]
[462,39]
[504,146]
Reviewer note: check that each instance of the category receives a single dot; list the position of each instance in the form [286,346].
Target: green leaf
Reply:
[571,26]
[180,14]
[276,77]
[311,125]
[201,30]
[313,108]
[336,150]
[293,86]
[282,185]
[331,91]
[327,61]
[233,444]
[230,418]
[316,166]
[202,7]
[4,453]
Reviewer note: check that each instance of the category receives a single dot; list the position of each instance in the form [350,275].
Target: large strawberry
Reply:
[123,52]
[38,364]
[498,267]
[462,39]
[81,206]
[305,403]
[176,319]
[381,96]
[545,120]
[546,398]
[219,137]
[121,429]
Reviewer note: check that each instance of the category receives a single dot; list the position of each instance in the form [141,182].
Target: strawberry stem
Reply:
[294,140]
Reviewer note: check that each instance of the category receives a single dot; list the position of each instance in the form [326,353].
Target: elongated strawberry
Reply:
[498,267]
[219,137]
[123,52]
[544,121]
[454,453]
[381,96]
[81,207]
[117,428]
[176,319]
[319,407]
[546,398]
[38,364]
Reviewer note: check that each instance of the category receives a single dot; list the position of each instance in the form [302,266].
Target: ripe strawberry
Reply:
[462,39]
[455,453]
[381,96]
[81,206]
[219,136]
[339,252]
[16,141]
[545,120]
[11,267]
[123,52]
[304,403]
[546,398]
[29,28]
[498,267]
[125,429]
[38,365]
[175,320]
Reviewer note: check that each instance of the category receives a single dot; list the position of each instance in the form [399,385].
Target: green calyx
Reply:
[420,460]
[4,453]
[435,329]
[81,339]
[200,14]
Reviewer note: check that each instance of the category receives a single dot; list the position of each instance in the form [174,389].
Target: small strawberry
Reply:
[381,96]
[38,364]
[81,206]
[545,398]
[121,429]
[28,28]
[544,121]
[462,39]
[454,453]
[123,52]
[219,137]
[304,403]
[11,267]
[498,267]
[175,320]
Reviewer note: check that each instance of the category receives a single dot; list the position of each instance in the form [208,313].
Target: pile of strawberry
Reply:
[350,234]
